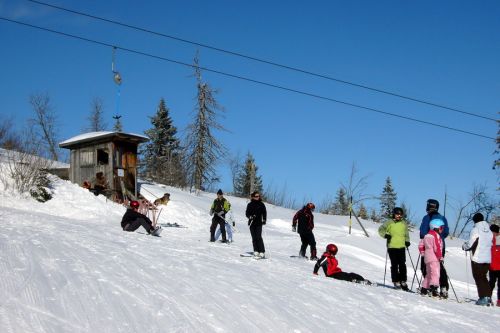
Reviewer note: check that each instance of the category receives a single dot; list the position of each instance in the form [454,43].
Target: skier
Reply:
[132,220]
[305,220]
[257,214]
[431,249]
[395,230]
[495,261]
[229,231]
[480,244]
[432,208]
[331,269]
[219,208]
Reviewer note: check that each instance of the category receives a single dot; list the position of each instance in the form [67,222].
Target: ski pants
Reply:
[433,270]
[398,264]
[135,224]
[494,277]
[443,276]
[217,221]
[479,273]
[257,241]
[347,276]
[307,239]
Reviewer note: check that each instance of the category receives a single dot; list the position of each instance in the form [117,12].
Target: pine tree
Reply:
[387,199]
[95,118]
[203,149]
[117,127]
[340,206]
[374,216]
[161,155]
[247,180]
[362,212]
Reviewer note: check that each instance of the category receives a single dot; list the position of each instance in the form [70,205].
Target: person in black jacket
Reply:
[304,218]
[257,214]
[132,220]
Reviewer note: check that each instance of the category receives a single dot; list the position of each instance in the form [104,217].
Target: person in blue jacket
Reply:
[432,209]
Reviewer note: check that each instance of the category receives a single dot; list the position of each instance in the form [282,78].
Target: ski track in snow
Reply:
[66,266]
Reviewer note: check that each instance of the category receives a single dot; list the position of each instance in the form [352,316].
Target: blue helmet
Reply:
[436,224]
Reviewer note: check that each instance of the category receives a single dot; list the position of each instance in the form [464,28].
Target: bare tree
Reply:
[8,138]
[96,120]
[44,123]
[356,186]
[204,151]
[235,165]
[479,201]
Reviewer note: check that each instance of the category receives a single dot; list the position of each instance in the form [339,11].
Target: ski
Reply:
[172,225]
[300,257]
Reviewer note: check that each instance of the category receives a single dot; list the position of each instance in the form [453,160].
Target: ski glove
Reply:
[407,244]
[211,212]
[388,237]
[220,214]
[294,228]
[465,247]
[263,222]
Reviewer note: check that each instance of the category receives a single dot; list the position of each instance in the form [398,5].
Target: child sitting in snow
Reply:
[431,249]
[330,266]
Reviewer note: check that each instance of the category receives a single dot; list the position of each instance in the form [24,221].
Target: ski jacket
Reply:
[131,215]
[480,243]
[432,247]
[305,220]
[424,226]
[256,212]
[398,232]
[220,205]
[495,254]
[329,264]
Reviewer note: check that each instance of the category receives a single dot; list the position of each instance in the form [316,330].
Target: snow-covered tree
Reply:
[387,199]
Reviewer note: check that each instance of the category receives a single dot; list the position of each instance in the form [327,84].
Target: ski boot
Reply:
[424,291]
[484,301]
[397,285]
[444,293]
[434,291]
[404,286]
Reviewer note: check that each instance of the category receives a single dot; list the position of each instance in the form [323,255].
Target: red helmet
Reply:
[332,249]
[311,206]
[134,204]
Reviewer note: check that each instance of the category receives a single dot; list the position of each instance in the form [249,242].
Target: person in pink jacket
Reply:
[431,249]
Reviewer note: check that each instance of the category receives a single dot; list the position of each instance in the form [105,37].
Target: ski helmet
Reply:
[432,205]
[311,206]
[332,249]
[436,224]
[397,210]
[134,204]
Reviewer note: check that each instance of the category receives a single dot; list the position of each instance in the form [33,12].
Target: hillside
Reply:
[66,266]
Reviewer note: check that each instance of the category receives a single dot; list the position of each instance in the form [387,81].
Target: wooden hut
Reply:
[105,158]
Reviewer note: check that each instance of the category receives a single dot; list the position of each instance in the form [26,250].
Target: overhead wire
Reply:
[291,68]
[247,79]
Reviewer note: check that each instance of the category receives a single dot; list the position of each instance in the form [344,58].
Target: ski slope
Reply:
[66,266]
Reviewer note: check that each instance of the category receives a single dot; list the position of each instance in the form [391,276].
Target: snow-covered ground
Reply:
[66,266]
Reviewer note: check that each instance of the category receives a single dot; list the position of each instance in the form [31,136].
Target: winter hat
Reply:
[494,228]
[478,217]
[219,192]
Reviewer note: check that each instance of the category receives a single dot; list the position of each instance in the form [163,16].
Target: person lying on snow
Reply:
[330,266]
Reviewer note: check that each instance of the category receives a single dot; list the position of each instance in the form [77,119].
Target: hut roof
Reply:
[104,136]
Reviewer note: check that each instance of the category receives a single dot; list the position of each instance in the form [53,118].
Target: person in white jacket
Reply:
[480,244]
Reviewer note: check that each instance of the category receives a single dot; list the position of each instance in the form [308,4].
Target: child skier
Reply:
[431,249]
[330,266]
[495,261]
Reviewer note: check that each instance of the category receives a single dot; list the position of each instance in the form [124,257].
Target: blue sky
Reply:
[445,52]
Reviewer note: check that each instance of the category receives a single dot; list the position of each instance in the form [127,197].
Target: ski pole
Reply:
[467,274]
[451,285]
[385,269]
[411,260]
[415,275]
[265,235]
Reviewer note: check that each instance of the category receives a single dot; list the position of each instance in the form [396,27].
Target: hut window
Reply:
[102,156]
[86,158]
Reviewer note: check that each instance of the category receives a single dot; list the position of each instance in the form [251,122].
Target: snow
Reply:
[94,135]
[66,266]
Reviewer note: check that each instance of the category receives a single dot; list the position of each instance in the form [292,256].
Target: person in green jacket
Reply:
[395,230]
[219,209]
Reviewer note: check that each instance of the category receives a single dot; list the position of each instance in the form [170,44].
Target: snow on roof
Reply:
[91,136]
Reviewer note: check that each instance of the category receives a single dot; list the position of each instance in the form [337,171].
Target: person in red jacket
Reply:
[304,218]
[331,267]
[495,261]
